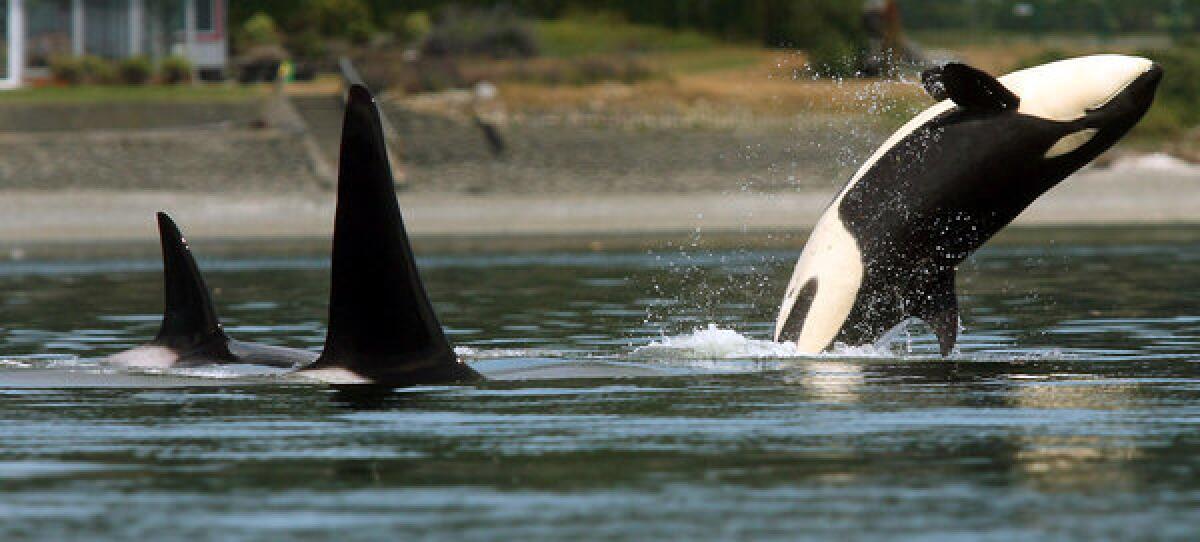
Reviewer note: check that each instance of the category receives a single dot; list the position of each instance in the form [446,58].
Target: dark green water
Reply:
[1072,410]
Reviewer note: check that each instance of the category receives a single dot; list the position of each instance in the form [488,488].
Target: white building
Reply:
[34,31]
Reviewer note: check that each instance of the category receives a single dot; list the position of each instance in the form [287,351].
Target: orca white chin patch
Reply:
[1071,142]
[1066,90]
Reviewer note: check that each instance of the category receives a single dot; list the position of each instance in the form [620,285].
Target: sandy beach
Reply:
[1138,193]
[79,187]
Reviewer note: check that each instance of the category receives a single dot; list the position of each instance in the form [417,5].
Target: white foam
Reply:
[233,370]
[882,349]
[47,361]
[712,342]
[468,352]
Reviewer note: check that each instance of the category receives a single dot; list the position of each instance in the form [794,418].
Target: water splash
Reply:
[713,342]
[901,344]
[471,353]
[46,361]
[228,371]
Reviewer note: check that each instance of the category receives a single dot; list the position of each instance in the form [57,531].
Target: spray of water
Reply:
[713,342]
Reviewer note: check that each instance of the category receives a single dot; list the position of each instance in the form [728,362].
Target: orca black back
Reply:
[382,326]
[189,325]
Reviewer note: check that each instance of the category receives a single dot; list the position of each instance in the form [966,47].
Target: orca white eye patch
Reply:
[1071,142]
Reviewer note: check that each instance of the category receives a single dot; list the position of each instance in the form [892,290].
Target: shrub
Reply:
[135,70]
[260,64]
[175,69]
[834,58]
[260,29]
[359,31]
[496,32]
[97,71]
[67,69]
[830,31]
[350,19]
[306,44]
[410,27]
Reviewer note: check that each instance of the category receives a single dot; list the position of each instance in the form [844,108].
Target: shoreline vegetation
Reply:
[588,105]
[604,69]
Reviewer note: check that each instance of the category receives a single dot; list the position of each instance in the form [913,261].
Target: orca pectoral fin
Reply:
[382,327]
[189,321]
[931,80]
[968,87]
[937,305]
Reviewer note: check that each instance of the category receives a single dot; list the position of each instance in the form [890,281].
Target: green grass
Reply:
[717,58]
[577,36]
[950,39]
[85,94]
[669,51]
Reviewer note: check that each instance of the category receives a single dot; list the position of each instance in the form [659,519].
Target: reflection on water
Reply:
[1071,410]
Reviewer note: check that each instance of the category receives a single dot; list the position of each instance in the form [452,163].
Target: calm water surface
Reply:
[1071,411]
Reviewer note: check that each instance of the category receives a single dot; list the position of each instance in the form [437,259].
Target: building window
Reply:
[205,15]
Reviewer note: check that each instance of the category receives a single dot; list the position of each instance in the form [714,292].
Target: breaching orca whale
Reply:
[382,328]
[887,247]
[190,334]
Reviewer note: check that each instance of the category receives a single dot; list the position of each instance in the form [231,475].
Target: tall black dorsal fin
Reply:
[968,87]
[381,324]
[935,303]
[189,319]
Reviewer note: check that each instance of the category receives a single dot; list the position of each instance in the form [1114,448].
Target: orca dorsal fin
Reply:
[968,87]
[189,318]
[382,326]
[936,304]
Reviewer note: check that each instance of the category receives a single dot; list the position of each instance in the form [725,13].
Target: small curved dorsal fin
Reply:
[968,87]
[189,318]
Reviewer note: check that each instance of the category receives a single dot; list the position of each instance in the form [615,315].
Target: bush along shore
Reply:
[138,70]
[522,99]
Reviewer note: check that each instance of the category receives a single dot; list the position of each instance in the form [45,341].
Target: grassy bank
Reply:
[105,94]
[602,69]
[597,34]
